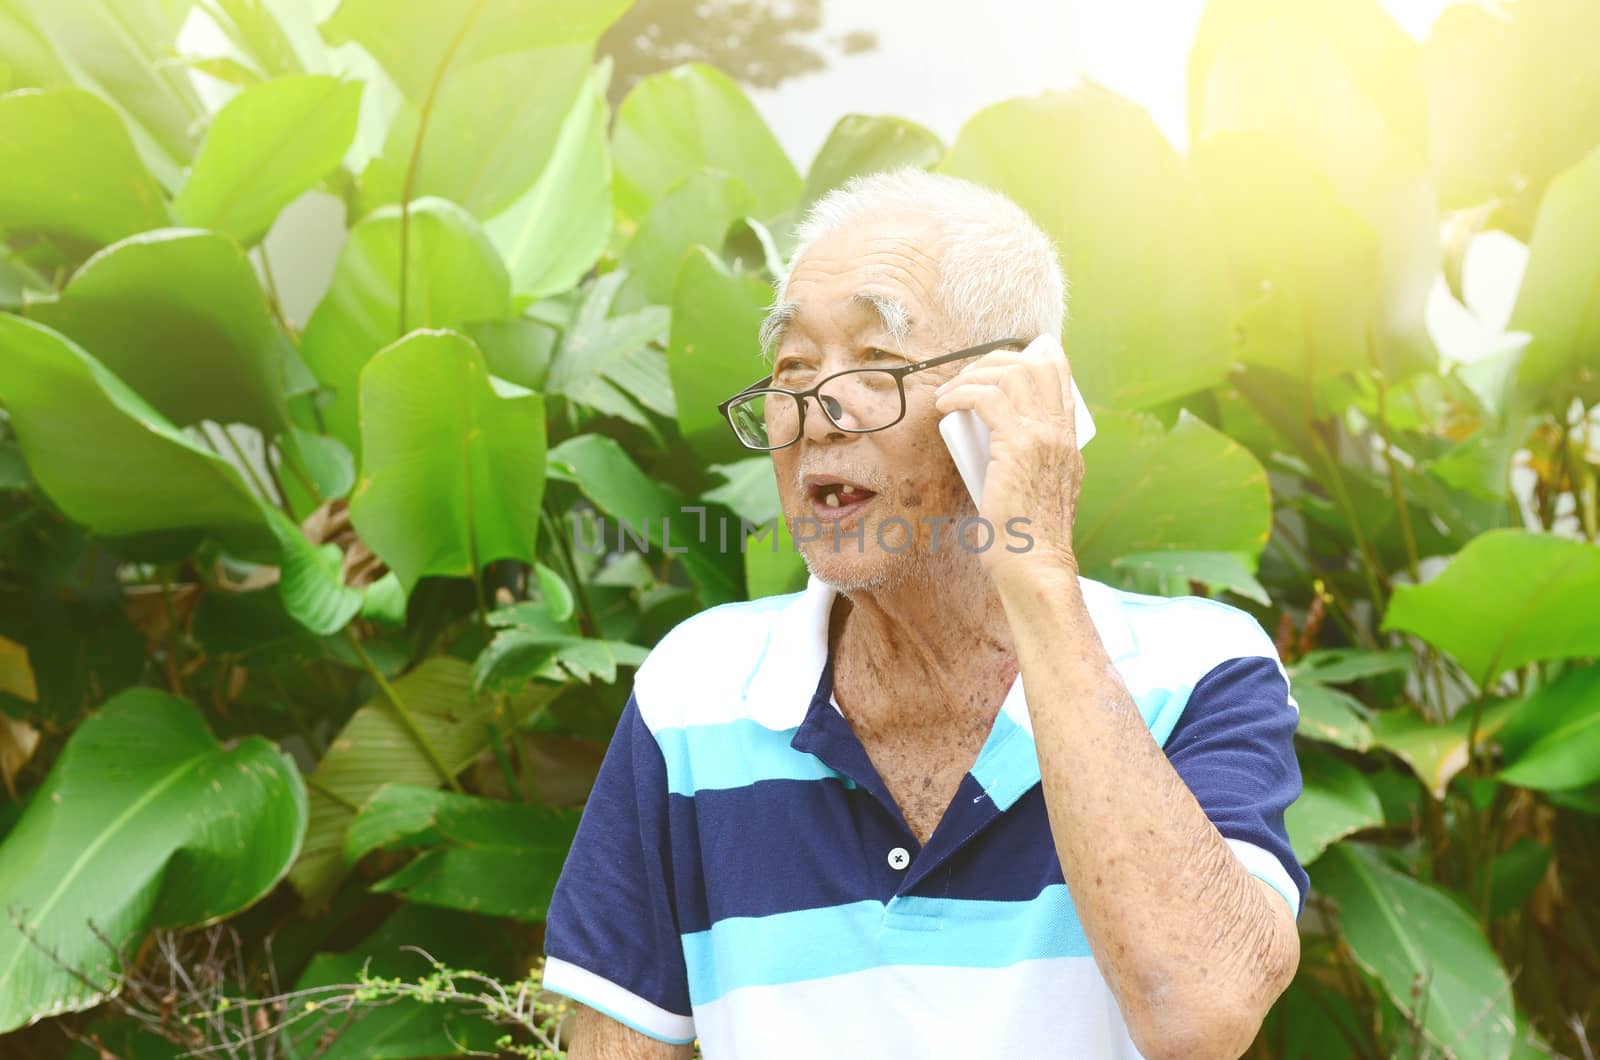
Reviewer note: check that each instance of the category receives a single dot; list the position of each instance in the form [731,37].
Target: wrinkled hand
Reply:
[1035,469]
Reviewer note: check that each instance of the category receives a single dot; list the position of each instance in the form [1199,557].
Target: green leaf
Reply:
[596,345]
[1097,175]
[144,821]
[1552,741]
[178,315]
[418,42]
[101,453]
[860,144]
[453,276]
[1338,665]
[452,469]
[517,656]
[89,186]
[1335,800]
[311,579]
[1330,715]
[1559,300]
[119,48]
[690,118]
[554,592]
[1191,489]
[254,29]
[272,142]
[377,746]
[554,232]
[1493,623]
[480,855]
[750,490]
[772,563]
[489,132]
[713,350]
[1436,753]
[607,475]
[1337,84]
[1429,956]
[698,209]
[1232,571]
[1304,266]
[1501,127]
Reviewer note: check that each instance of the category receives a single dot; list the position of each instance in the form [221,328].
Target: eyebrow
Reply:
[896,319]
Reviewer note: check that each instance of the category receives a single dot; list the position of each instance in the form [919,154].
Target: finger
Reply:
[993,406]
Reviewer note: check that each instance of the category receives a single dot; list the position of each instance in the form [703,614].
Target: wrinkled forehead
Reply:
[868,274]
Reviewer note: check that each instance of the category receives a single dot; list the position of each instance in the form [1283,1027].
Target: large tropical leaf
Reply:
[488,134]
[68,168]
[453,460]
[178,315]
[1552,742]
[101,453]
[1500,126]
[144,821]
[1334,801]
[420,42]
[1339,85]
[1437,752]
[552,234]
[1558,303]
[698,209]
[1305,267]
[713,351]
[118,48]
[860,144]
[1506,599]
[453,276]
[475,854]
[690,118]
[271,142]
[1427,953]
[1095,172]
[1190,489]
[600,353]
[442,730]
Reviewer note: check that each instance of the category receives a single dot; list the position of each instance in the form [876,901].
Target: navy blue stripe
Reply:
[1234,748]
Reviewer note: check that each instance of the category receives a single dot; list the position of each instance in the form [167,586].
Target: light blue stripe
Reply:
[733,755]
[1008,765]
[814,943]
[1161,708]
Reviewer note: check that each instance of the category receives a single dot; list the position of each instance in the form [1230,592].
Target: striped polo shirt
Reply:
[743,876]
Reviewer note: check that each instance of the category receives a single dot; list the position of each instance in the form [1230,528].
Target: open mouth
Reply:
[834,498]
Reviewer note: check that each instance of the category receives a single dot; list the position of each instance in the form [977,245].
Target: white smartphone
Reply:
[967,437]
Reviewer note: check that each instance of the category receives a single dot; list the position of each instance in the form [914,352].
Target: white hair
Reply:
[999,274]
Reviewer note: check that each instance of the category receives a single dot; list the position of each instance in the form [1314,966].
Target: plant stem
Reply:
[588,621]
[249,469]
[424,114]
[407,721]
[1396,493]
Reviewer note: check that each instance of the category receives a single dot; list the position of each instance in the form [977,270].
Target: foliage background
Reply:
[295,635]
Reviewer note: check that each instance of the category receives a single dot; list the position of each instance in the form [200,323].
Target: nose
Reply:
[818,427]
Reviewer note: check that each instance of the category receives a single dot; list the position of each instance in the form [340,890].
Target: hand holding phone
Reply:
[967,437]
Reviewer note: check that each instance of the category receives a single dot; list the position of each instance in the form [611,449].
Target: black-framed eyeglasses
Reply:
[857,400]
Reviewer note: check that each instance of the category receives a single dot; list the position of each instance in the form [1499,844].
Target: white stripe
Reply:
[1058,1006]
[622,1005]
[1264,865]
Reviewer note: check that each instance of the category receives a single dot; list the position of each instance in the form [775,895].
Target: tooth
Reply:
[833,500]
[847,489]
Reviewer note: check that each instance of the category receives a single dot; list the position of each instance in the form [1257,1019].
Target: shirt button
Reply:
[899,858]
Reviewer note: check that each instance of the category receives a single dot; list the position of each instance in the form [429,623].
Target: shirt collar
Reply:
[781,686]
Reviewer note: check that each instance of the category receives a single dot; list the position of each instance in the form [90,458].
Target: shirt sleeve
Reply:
[611,938]
[1234,748]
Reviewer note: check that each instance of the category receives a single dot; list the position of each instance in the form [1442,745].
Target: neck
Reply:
[939,632]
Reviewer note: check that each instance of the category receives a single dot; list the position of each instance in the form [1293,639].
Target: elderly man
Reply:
[950,799]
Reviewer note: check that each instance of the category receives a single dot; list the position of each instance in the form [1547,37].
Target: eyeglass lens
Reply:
[865,400]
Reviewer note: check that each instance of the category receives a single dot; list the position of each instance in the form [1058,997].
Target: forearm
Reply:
[1186,938]
[596,1036]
